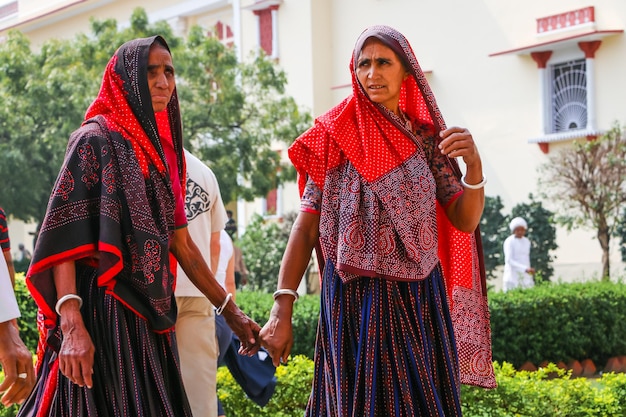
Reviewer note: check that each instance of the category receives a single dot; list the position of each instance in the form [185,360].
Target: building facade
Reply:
[526,79]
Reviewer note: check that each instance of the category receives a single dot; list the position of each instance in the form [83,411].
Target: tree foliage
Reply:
[262,247]
[493,230]
[233,113]
[587,182]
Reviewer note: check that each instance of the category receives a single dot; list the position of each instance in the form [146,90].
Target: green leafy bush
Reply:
[262,246]
[28,310]
[549,392]
[257,305]
[8,411]
[292,391]
[561,322]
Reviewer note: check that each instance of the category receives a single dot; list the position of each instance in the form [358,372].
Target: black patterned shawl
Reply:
[112,207]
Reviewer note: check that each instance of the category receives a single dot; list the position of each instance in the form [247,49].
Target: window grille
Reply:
[569,96]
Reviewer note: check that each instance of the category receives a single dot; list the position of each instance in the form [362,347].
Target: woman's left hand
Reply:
[458,142]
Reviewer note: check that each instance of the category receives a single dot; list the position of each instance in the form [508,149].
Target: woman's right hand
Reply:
[76,356]
[277,334]
[246,329]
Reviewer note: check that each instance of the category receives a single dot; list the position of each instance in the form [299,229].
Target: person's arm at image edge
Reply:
[15,357]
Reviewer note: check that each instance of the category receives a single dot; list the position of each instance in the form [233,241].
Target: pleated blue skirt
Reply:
[385,348]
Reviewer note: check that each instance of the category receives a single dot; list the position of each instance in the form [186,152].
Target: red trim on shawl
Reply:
[111,103]
[108,277]
[50,390]
[46,263]
[70,255]
[81,252]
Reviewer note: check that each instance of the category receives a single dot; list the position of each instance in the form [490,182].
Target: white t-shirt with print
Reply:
[205,215]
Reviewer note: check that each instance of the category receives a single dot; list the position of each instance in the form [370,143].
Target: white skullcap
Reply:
[517,222]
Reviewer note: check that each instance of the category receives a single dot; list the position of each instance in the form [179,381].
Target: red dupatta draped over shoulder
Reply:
[112,207]
[377,144]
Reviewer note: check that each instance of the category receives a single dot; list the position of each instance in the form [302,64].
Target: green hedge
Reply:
[561,322]
[549,392]
[28,310]
[547,323]
[291,394]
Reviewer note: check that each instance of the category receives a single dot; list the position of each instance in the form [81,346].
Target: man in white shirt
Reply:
[195,324]
[16,359]
[517,270]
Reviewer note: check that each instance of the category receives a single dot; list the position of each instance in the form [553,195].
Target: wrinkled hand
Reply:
[277,334]
[16,361]
[246,329]
[457,142]
[76,356]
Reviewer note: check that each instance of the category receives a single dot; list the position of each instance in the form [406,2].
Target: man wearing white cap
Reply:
[517,270]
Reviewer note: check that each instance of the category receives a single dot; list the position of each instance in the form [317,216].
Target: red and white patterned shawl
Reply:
[386,157]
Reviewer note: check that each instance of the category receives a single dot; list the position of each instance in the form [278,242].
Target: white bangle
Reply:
[221,308]
[288,291]
[474,186]
[66,297]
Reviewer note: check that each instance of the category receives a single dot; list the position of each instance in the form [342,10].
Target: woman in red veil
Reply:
[403,318]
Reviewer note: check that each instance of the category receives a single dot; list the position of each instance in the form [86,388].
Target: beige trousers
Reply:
[197,347]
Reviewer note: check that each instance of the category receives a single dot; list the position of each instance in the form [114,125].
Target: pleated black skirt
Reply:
[136,371]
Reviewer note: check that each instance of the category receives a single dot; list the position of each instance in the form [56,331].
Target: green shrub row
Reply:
[559,322]
[549,392]
[547,323]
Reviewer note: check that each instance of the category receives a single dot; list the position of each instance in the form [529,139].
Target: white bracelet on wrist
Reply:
[286,291]
[65,298]
[221,308]
[478,186]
